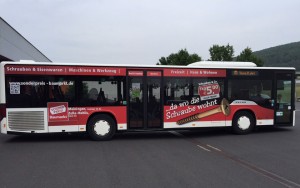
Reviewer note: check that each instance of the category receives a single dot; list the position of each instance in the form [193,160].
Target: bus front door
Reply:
[144,99]
[284,98]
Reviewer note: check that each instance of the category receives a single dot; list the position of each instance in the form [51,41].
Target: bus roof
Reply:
[223,64]
[201,64]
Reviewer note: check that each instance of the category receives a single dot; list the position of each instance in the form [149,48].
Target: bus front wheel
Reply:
[101,127]
[243,122]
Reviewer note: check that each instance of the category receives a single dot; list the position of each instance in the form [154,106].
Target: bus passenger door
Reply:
[144,99]
[285,98]
[154,102]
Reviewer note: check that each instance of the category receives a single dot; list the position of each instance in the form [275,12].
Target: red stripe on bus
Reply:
[64,70]
[135,73]
[195,72]
[80,115]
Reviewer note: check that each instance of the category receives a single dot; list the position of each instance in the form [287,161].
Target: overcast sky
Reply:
[142,31]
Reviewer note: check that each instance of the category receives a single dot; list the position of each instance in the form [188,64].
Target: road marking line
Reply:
[203,148]
[279,179]
[213,147]
[248,165]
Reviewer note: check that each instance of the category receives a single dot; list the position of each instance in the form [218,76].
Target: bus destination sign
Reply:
[244,73]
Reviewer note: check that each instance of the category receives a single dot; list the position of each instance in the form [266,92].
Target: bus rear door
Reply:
[285,98]
[144,99]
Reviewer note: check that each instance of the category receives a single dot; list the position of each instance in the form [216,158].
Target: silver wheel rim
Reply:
[244,123]
[102,128]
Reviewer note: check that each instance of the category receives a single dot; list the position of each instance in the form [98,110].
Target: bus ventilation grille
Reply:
[26,121]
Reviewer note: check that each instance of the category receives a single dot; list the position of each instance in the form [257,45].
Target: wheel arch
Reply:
[102,113]
[243,122]
[246,110]
[101,126]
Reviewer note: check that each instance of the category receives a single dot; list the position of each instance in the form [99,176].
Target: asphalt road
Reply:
[207,158]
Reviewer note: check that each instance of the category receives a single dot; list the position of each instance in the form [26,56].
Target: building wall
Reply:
[15,47]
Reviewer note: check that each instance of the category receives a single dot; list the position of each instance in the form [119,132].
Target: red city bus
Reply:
[105,99]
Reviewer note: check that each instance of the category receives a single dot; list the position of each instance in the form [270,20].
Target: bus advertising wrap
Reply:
[64,70]
[102,100]
[58,111]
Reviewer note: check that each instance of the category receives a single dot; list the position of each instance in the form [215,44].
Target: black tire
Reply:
[243,123]
[101,127]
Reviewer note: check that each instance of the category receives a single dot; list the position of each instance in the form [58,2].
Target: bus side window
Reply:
[234,96]
[92,96]
[101,97]
[244,94]
[104,91]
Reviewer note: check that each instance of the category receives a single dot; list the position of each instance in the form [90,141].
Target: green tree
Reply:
[221,53]
[182,57]
[247,55]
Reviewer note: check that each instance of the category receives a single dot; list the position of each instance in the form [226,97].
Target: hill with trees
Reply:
[217,53]
[182,57]
[287,55]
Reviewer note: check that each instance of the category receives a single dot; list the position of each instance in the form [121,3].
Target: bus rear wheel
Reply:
[101,127]
[243,122]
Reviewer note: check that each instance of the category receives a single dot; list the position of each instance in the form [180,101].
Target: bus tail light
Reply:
[2,111]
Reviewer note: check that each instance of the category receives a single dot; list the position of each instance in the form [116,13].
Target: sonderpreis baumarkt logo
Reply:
[58,111]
